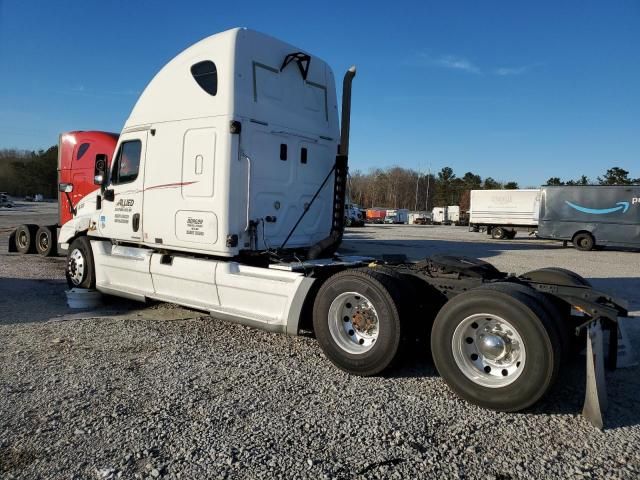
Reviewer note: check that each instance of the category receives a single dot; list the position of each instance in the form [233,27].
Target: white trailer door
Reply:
[121,218]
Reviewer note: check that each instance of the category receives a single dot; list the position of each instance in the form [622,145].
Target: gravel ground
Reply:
[135,391]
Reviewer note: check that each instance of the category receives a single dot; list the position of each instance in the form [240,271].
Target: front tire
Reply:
[357,322]
[496,349]
[80,270]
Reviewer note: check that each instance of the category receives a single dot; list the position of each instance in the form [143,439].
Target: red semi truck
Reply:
[77,167]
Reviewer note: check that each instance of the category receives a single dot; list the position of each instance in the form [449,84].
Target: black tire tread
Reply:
[497,399]
[90,279]
[391,293]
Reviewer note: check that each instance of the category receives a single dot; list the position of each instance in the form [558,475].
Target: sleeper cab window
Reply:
[127,163]
[206,75]
[82,149]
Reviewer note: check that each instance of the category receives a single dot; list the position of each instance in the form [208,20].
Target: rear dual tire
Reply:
[500,233]
[45,241]
[496,347]
[356,320]
[30,238]
[584,241]
[25,238]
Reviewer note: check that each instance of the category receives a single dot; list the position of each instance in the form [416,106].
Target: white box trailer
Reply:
[225,194]
[439,215]
[453,214]
[504,212]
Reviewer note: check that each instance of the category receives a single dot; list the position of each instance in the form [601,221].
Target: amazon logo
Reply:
[620,207]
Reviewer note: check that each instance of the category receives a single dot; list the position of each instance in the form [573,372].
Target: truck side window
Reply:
[82,149]
[206,74]
[127,163]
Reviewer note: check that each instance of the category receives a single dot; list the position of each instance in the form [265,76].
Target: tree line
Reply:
[24,172]
[397,187]
[613,176]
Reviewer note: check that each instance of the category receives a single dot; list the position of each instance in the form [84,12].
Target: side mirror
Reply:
[65,187]
[100,170]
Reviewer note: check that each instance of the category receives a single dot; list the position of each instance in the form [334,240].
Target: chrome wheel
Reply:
[488,350]
[76,266]
[353,322]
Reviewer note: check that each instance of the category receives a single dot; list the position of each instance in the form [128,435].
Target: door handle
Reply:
[135,222]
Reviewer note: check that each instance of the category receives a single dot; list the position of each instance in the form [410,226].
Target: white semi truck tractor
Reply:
[226,195]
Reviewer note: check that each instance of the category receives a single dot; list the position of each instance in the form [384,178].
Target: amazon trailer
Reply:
[502,213]
[591,215]
[231,200]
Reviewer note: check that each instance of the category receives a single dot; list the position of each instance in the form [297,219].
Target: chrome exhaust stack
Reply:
[329,245]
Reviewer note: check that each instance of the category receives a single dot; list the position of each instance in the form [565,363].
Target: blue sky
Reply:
[513,90]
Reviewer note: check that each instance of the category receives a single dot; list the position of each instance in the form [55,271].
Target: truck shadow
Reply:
[478,245]
[566,397]
[34,301]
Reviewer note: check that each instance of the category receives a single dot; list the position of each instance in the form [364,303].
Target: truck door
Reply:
[121,215]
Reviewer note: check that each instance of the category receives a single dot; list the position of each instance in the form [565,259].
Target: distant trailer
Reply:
[502,213]
[439,215]
[453,214]
[375,215]
[399,216]
[419,218]
[591,215]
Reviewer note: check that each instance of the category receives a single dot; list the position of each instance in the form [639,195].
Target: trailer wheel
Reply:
[496,349]
[80,270]
[46,241]
[25,238]
[584,241]
[357,322]
[498,233]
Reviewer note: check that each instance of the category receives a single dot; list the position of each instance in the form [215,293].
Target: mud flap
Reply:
[12,242]
[595,399]
[626,357]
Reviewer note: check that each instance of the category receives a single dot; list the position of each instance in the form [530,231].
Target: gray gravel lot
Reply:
[147,391]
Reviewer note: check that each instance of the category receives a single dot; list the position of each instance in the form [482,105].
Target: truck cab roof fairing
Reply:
[244,62]
[173,93]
